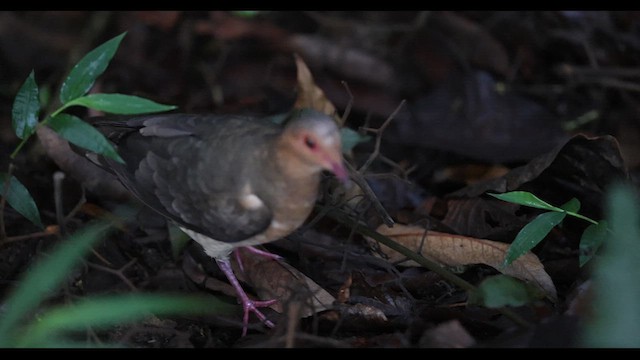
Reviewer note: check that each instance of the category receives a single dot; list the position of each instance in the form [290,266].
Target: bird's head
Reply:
[314,139]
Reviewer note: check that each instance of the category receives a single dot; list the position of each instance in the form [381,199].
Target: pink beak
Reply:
[338,169]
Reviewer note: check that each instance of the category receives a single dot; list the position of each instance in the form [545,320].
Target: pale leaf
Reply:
[457,250]
[278,280]
[310,96]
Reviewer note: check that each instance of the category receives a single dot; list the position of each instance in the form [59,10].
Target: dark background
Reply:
[485,92]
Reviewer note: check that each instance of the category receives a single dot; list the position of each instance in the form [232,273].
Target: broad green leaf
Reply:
[525,198]
[572,206]
[99,312]
[592,238]
[19,198]
[615,314]
[120,104]
[502,290]
[26,108]
[532,234]
[87,70]
[83,134]
[351,138]
[47,274]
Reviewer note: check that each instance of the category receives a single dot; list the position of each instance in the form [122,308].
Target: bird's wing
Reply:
[196,170]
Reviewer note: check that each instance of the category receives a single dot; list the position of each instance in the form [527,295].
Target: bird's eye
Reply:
[311,144]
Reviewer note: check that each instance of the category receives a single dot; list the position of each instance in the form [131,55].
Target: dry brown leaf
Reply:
[366,312]
[457,250]
[278,280]
[310,95]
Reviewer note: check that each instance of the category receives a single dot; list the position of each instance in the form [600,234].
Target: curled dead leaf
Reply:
[310,95]
[457,250]
[278,280]
[366,312]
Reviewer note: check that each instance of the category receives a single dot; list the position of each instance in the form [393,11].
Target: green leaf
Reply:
[120,104]
[502,290]
[572,206]
[351,138]
[532,234]
[47,274]
[83,134]
[99,312]
[19,198]
[26,108]
[615,314]
[525,198]
[592,239]
[87,70]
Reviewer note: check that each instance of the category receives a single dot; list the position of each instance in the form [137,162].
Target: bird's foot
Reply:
[248,305]
[252,306]
[255,251]
[263,253]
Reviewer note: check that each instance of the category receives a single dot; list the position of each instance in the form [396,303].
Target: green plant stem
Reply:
[344,218]
[582,217]
[41,123]
[17,149]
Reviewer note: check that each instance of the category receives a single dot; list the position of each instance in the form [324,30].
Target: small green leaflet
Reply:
[84,135]
[120,104]
[592,238]
[351,138]
[19,198]
[571,206]
[532,234]
[525,198]
[502,290]
[87,70]
[26,108]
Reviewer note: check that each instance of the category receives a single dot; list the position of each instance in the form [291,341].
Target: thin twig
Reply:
[81,202]
[51,230]
[378,133]
[58,178]
[347,110]
[359,179]
[119,272]
[344,218]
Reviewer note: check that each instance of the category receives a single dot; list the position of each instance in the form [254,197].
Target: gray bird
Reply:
[227,181]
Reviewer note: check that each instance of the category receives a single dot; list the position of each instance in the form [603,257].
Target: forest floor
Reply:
[446,106]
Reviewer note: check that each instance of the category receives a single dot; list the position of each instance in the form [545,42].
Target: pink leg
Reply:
[247,304]
[255,251]
[263,253]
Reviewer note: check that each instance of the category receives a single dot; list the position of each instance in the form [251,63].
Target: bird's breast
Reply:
[295,201]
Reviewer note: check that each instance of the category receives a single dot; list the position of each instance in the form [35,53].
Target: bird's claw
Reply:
[256,251]
[252,306]
[248,305]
